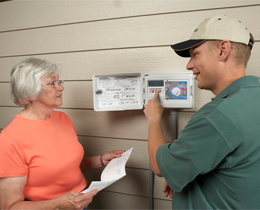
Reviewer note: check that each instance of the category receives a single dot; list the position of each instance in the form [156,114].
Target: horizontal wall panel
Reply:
[254,62]
[122,124]
[7,114]
[5,95]
[96,146]
[162,204]
[112,200]
[83,65]
[136,182]
[116,201]
[79,94]
[117,33]
[91,10]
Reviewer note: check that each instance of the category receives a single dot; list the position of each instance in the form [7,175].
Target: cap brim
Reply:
[183,48]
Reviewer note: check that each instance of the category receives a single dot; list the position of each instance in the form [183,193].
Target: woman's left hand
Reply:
[107,157]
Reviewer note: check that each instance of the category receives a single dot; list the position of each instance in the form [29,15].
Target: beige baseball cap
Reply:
[219,27]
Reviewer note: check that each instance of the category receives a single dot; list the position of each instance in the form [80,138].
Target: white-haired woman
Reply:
[40,156]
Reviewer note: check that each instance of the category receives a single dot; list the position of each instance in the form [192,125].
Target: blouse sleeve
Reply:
[12,160]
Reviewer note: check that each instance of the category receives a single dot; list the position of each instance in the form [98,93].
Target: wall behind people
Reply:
[112,36]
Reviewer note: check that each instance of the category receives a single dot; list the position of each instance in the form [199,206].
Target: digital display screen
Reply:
[155,83]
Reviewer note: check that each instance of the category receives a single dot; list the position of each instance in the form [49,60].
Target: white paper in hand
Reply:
[114,171]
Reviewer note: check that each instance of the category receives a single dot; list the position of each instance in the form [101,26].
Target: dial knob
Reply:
[176,91]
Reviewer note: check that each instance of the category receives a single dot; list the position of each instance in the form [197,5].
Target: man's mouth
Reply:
[196,76]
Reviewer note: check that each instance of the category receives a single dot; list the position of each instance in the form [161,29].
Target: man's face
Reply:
[203,63]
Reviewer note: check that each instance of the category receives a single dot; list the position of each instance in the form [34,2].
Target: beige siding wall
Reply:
[112,36]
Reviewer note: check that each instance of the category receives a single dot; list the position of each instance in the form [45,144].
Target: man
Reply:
[215,162]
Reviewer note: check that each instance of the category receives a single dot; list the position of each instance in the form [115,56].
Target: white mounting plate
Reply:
[129,91]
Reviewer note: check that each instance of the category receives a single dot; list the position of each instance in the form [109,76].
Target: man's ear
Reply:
[224,50]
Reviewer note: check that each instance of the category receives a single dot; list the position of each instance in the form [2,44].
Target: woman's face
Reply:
[51,96]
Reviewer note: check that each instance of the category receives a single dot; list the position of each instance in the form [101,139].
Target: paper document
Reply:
[114,171]
[118,91]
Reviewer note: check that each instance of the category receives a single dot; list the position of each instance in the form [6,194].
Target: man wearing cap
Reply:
[215,162]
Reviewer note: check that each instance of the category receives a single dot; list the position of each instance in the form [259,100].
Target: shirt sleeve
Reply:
[198,149]
[12,160]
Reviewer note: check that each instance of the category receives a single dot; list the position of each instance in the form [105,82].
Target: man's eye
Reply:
[195,55]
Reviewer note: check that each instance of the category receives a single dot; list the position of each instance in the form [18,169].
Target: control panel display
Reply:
[155,83]
[176,90]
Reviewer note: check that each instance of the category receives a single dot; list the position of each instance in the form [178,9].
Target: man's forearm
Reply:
[155,140]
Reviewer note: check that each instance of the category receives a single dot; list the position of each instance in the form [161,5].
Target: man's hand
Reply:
[154,110]
[167,190]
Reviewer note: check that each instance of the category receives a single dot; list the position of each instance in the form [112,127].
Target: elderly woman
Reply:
[40,156]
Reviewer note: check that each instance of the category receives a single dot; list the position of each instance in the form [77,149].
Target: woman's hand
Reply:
[11,197]
[74,200]
[100,160]
[107,157]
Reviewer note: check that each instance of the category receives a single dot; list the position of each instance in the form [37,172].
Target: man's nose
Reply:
[190,65]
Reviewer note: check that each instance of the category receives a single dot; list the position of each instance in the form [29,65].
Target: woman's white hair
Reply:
[26,85]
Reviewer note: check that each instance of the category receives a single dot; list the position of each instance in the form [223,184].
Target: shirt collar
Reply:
[247,81]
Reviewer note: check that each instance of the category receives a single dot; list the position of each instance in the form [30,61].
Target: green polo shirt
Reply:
[215,162]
